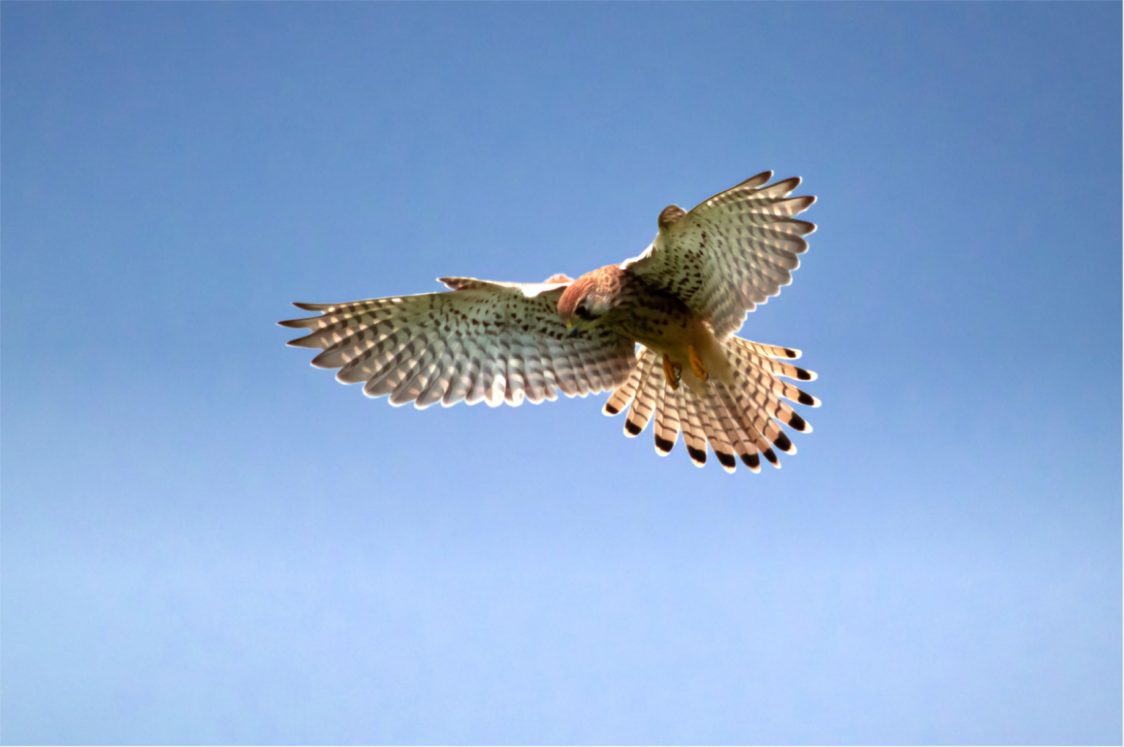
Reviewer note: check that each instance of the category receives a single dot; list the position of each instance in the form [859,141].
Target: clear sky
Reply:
[206,540]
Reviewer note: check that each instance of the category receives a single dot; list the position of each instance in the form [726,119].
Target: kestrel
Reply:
[657,329]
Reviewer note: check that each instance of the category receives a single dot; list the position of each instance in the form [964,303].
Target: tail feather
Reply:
[694,437]
[772,351]
[666,429]
[738,420]
[747,358]
[743,421]
[744,444]
[624,394]
[642,405]
[721,436]
[746,416]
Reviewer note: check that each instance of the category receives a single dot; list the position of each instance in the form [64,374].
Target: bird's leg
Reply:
[696,363]
[671,372]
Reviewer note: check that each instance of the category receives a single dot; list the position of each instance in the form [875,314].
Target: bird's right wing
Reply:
[731,252]
[484,340]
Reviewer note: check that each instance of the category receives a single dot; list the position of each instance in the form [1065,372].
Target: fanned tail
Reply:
[740,420]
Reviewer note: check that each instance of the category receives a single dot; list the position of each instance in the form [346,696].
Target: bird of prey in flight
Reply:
[657,330]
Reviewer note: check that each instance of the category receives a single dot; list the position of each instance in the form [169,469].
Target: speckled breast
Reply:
[652,317]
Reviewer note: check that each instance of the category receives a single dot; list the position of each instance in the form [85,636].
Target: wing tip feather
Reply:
[302,342]
[762,177]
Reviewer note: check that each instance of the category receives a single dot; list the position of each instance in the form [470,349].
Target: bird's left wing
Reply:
[731,252]
[484,340]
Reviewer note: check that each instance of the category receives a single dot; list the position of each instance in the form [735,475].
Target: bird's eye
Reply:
[583,313]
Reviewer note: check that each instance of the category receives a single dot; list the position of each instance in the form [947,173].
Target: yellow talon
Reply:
[671,372]
[696,363]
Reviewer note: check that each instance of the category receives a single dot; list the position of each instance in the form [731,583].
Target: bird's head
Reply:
[584,302]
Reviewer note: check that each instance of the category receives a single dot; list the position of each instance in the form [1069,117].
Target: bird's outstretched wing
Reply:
[730,252]
[484,340]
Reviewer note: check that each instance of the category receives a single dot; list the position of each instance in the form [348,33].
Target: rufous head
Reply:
[587,299]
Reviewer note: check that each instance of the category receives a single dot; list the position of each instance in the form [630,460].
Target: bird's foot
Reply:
[671,372]
[696,363]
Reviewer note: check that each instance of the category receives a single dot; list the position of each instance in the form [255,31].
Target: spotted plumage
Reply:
[657,330]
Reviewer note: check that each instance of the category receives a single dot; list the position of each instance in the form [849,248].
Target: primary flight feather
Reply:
[680,301]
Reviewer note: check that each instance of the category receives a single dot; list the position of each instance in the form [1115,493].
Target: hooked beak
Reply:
[572,328]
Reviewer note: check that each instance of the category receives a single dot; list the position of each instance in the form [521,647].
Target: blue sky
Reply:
[205,540]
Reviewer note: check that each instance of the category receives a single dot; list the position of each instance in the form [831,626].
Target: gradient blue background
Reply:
[206,540]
